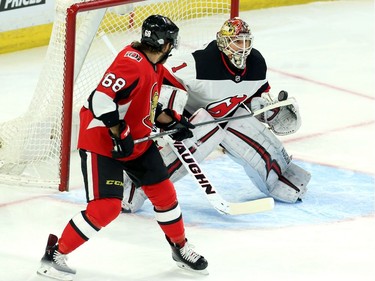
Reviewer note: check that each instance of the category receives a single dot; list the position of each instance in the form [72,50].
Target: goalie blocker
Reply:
[247,141]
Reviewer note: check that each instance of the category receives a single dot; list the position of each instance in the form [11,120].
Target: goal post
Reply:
[35,148]
[68,90]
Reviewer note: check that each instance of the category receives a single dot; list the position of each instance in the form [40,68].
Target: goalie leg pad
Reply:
[134,197]
[264,159]
[296,176]
[204,141]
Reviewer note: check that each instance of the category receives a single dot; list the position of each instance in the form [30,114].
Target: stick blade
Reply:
[251,207]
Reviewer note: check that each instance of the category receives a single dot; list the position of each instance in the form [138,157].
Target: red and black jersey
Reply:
[129,90]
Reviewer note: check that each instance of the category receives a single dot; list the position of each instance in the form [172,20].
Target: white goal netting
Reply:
[31,145]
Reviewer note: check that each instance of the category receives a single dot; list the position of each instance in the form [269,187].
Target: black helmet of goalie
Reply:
[235,40]
[158,30]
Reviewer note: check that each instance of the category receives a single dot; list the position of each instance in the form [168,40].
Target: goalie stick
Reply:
[222,120]
[220,204]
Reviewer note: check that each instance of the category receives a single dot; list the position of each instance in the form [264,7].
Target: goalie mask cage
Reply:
[35,148]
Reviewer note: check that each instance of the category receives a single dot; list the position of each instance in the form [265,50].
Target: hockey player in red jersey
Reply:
[124,107]
[228,77]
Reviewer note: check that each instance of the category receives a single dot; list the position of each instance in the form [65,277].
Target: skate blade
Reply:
[184,266]
[49,271]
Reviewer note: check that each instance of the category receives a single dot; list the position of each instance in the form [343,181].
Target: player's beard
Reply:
[165,56]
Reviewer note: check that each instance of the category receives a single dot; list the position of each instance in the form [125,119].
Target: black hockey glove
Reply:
[123,145]
[179,122]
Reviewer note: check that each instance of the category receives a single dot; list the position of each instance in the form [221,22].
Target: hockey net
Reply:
[35,147]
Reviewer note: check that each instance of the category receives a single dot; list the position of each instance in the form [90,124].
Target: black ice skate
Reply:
[53,263]
[186,258]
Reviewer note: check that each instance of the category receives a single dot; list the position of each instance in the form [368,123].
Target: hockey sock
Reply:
[85,224]
[167,211]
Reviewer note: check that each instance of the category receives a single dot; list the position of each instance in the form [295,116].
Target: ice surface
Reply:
[321,53]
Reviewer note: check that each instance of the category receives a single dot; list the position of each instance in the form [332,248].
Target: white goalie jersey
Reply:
[213,84]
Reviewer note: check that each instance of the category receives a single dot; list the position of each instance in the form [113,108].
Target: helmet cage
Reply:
[235,40]
[236,48]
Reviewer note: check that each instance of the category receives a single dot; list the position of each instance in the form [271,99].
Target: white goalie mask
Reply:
[235,40]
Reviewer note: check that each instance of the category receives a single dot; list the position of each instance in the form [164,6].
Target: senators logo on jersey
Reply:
[150,119]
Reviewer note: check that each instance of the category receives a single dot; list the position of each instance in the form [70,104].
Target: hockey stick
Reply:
[221,205]
[222,120]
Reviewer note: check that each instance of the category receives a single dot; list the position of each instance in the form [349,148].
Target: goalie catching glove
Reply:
[179,122]
[282,121]
[123,145]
